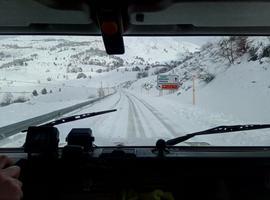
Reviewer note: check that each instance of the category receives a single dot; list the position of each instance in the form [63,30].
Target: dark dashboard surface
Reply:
[109,172]
[173,152]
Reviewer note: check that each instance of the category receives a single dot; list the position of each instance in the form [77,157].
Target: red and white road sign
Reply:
[170,87]
[168,82]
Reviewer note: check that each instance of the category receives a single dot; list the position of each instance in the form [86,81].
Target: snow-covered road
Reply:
[142,120]
[136,122]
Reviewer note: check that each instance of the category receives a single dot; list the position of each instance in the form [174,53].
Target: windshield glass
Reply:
[162,87]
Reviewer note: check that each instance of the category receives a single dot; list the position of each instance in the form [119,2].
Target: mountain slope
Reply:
[238,86]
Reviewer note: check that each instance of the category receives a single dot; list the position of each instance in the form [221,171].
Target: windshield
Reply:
[162,87]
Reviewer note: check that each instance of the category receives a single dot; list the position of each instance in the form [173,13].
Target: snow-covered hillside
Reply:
[156,50]
[41,61]
[45,73]
[240,88]
[231,75]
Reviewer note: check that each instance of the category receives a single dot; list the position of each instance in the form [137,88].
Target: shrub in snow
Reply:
[99,71]
[81,75]
[207,78]
[142,75]
[147,68]
[49,79]
[7,99]
[74,69]
[50,91]
[258,48]
[147,85]
[44,91]
[35,93]
[21,99]
[60,90]
[136,69]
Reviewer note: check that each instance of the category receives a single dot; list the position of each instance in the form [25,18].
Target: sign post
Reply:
[193,90]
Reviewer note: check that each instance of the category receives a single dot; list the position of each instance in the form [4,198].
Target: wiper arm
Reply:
[217,130]
[77,117]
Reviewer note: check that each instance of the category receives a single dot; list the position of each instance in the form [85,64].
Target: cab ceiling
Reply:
[142,17]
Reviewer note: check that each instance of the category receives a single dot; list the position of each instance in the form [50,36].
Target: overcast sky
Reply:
[198,40]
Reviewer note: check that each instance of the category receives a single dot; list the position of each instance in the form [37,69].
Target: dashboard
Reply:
[81,170]
[108,172]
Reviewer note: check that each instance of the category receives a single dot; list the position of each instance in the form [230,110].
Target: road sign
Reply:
[170,87]
[168,82]
[169,79]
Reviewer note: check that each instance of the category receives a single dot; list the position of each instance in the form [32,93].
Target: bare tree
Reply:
[233,47]
[227,47]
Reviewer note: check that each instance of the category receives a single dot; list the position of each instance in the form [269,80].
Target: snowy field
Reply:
[226,93]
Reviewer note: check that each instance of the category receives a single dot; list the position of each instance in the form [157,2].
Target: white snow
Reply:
[238,94]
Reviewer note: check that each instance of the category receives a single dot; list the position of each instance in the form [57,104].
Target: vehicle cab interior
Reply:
[136,99]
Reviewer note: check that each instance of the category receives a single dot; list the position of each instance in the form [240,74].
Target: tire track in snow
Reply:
[117,102]
[145,118]
[132,109]
[116,119]
[158,116]
[131,131]
[168,126]
[102,118]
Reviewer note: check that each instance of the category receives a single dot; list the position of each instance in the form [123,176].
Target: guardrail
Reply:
[15,128]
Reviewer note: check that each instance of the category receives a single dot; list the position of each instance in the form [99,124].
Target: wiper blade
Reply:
[77,117]
[217,130]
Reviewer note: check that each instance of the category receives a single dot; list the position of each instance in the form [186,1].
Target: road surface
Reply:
[141,120]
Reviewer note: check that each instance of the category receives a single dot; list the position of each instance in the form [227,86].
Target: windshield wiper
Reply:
[75,118]
[217,130]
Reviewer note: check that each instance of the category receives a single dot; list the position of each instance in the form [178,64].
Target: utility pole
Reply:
[161,92]
[101,89]
[108,88]
[193,90]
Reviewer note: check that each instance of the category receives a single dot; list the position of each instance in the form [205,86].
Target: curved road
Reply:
[139,120]
[136,122]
